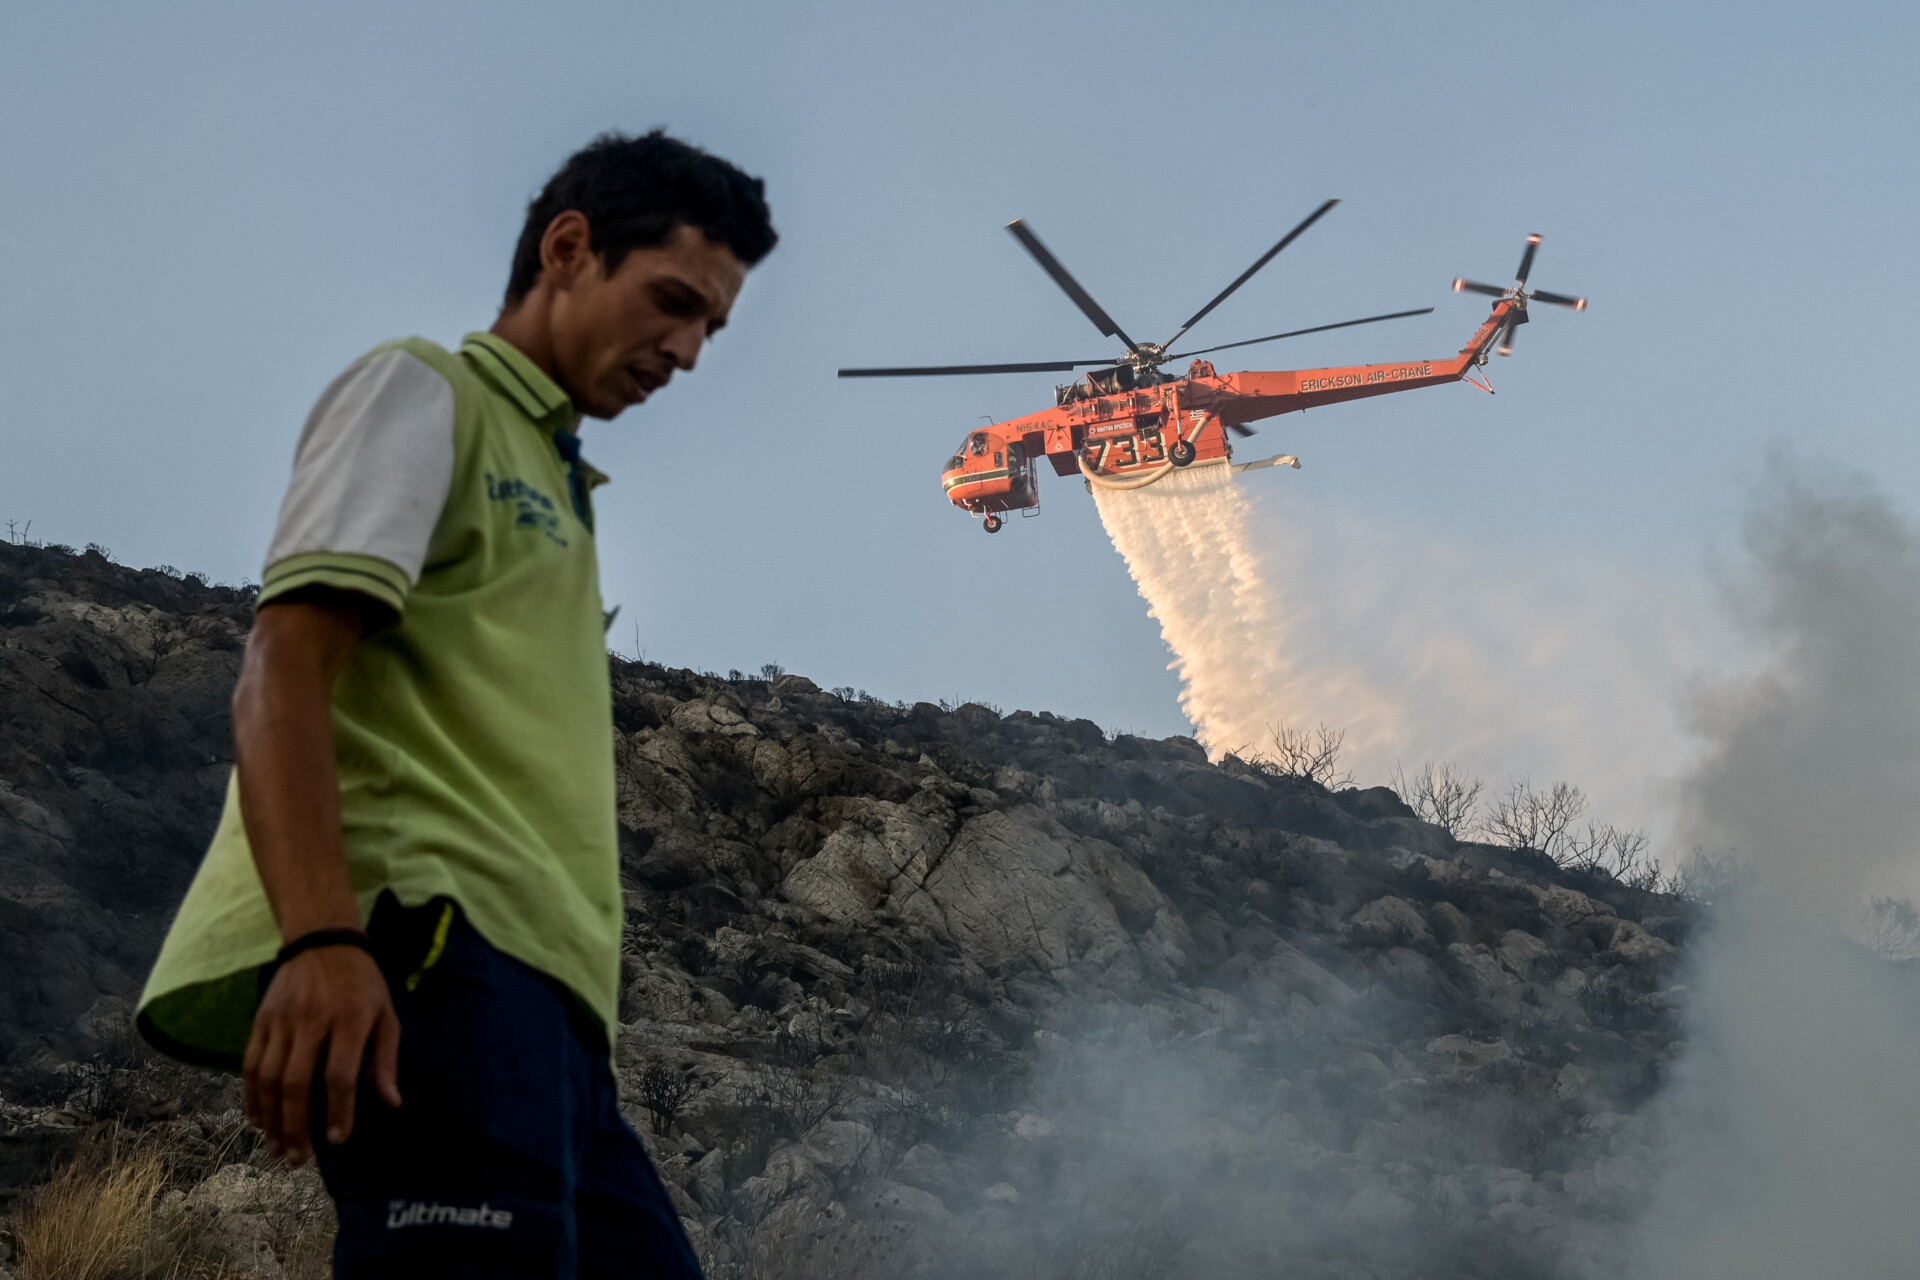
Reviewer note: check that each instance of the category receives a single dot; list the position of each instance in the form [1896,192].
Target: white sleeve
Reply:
[374,466]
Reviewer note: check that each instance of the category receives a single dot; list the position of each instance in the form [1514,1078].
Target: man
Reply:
[406,931]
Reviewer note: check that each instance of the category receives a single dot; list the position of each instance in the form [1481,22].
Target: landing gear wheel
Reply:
[1181,453]
[992,524]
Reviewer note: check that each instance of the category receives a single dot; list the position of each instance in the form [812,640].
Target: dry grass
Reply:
[95,1219]
[114,1213]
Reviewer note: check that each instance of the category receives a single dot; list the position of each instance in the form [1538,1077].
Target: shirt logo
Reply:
[421,1213]
[532,508]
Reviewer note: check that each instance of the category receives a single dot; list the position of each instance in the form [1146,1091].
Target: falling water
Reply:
[1187,542]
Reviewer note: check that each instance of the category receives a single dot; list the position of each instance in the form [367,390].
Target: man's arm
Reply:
[330,1004]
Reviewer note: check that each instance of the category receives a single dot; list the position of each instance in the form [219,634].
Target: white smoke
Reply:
[1793,1126]
[1188,542]
[1790,1133]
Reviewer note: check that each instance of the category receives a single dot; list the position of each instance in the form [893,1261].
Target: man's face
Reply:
[618,338]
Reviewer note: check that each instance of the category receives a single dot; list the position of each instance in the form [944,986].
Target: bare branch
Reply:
[1538,820]
[1891,928]
[1604,849]
[662,1092]
[1444,795]
[1313,756]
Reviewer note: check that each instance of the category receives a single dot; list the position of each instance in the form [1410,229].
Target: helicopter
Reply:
[1128,423]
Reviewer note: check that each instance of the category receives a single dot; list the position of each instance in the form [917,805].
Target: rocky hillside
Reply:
[114,750]
[914,990]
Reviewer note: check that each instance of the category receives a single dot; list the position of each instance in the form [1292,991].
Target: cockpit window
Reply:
[954,463]
[979,444]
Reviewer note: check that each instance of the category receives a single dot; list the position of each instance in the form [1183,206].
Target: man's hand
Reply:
[327,1005]
[324,1009]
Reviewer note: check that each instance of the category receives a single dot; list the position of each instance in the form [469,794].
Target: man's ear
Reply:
[566,248]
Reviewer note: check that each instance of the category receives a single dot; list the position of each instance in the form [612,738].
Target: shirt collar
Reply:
[519,379]
[591,477]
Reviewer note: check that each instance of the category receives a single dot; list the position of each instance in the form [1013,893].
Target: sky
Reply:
[210,210]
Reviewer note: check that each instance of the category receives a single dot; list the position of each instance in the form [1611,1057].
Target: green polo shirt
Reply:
[474,731]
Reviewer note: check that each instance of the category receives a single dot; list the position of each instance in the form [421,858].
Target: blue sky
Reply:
[211,209]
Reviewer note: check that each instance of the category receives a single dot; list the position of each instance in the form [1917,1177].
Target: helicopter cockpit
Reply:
[990,473]
[975,445]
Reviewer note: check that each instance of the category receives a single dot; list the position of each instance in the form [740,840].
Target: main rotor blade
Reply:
[1081,298]
[1247,275]
[1526,259]
[1319,328]
[941,370]
[1474,286]
[1559,299]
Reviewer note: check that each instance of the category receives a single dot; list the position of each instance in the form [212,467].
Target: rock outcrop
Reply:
[115,743]
[936,990]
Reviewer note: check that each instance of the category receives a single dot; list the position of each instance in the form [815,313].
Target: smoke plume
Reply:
[1789,1133]
[1793,1124]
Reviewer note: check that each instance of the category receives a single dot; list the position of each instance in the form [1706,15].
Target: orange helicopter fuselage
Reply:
[1123,437]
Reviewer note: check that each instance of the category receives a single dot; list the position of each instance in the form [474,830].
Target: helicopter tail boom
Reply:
[1252,396]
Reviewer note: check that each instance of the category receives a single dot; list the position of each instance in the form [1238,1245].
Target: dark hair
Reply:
[635,192]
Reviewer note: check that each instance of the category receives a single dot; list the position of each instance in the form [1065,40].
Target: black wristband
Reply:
[335,937]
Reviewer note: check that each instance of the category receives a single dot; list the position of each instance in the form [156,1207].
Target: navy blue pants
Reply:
[508,1156]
